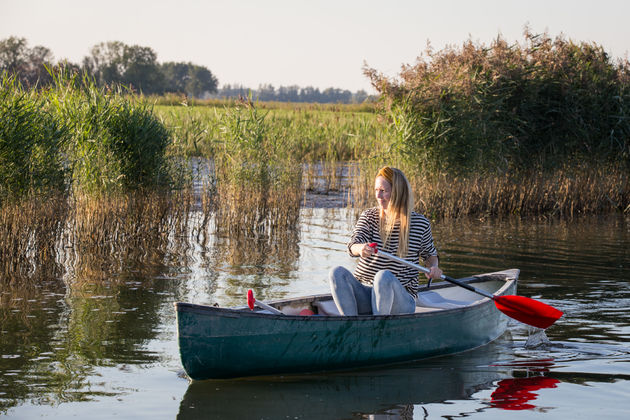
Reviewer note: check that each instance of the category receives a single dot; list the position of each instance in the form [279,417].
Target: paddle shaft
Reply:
[267,307]
[443,277]
[251,301]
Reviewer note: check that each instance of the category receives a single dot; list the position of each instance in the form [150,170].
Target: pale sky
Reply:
[320,43]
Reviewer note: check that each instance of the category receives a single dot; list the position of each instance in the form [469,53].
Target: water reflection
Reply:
[394,391]
[67,336]
[519,393]
[56,337]
[27,341]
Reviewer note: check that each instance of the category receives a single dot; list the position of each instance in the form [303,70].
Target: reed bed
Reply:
[111,231]
[326,177]
[138,219]
[85,171]
[117,144]
[97,177]
[29,237]
[31,144]
[91,237]
[538,127]
[565,192]
[259,188]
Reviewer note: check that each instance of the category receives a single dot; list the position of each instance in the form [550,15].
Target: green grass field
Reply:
[306,135]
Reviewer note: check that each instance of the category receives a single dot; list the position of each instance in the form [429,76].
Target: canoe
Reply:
[217,342]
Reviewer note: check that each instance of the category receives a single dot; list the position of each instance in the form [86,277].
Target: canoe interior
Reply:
[323,305]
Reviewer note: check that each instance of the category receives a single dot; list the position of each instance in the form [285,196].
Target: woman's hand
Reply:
[432,264]
[436,273]
[363,250]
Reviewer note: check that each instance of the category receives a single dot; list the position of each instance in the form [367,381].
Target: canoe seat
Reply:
[435,300]
[326,307]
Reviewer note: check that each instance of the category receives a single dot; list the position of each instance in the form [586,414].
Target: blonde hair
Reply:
[399,209]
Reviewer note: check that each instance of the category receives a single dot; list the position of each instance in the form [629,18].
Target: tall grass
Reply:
[125,199]
[31,144]
[565,192]
[133,228]
[30,232]
[541,127]
[117,144]
[32,183]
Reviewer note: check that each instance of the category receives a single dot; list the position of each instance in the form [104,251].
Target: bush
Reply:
[502,108]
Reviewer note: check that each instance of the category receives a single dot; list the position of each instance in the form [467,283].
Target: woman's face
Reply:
[383,191]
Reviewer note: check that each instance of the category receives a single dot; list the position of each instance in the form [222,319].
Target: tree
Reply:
[310,94]
[39,59]
[191,79]
[175,77]
[360,96]
[105,63]
[28,64]
[117,63]
[141,70]
[294,94]
[13,54]
[201,81]
[266,93]
[288,94]
[337,95]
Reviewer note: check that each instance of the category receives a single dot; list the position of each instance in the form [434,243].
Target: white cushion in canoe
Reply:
[435,300]
[327,307]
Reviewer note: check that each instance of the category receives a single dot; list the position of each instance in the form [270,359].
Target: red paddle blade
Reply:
[250,299]
[528,311]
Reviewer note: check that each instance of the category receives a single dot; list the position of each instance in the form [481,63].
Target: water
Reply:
[101,342]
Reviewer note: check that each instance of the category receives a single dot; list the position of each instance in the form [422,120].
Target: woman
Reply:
[379,285]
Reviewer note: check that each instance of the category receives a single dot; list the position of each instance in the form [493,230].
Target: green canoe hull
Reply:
[224,343]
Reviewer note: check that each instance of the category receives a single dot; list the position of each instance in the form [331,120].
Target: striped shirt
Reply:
[420,246]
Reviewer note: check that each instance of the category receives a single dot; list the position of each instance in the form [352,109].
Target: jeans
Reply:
[387,296]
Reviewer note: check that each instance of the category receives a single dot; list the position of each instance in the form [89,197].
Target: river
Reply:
[101,341]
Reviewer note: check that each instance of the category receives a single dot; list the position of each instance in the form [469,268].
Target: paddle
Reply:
[521,308]
[251,302]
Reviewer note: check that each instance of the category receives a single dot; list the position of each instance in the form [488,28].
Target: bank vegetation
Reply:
[536,128]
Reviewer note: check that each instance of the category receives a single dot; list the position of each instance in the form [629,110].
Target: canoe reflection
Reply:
[390,391]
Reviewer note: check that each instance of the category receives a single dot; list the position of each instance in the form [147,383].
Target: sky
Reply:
[319,43]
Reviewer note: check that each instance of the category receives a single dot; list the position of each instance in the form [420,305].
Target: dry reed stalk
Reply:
[562,193]
[105,233]
[254,209]
[311,175]
[332,175]
[324,176]
[29,232]
[99,223]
